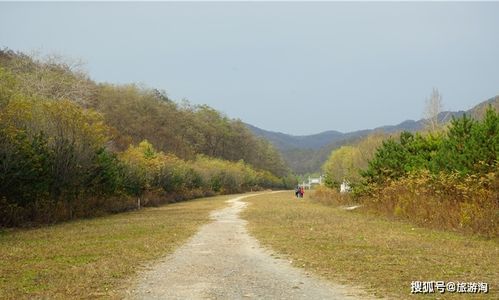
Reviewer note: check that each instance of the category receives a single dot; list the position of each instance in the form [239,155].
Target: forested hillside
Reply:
[72,146]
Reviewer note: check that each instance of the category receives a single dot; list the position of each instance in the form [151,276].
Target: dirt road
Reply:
[222,261]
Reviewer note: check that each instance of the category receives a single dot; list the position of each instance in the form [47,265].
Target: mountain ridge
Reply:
[306,153]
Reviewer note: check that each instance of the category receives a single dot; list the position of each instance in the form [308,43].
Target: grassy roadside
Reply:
[382,255]
[91,258]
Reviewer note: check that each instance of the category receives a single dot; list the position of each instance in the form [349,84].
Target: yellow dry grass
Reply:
[92,258]
[382,255]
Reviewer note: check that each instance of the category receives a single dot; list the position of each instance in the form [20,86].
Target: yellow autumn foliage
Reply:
[444,201]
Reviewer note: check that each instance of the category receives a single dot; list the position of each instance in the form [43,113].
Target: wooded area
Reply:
[72,147]
[444,177]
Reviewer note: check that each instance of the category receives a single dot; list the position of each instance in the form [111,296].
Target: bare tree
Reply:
[53,76]
[432,110]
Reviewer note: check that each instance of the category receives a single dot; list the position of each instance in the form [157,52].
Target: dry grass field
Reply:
[92,258]
[382,255]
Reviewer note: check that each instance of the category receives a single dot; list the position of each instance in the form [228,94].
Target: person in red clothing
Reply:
[302,191]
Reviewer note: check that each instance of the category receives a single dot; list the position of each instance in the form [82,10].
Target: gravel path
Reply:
[222,261]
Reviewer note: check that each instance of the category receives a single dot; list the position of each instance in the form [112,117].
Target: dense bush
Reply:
[467,147]
[470,146]
[55,165]
[185,130]
[446,179]
[395,158]
[51,150]
[451,201]
[345,163]
[71,148]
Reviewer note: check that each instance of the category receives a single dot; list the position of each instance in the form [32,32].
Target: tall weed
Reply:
[445,201]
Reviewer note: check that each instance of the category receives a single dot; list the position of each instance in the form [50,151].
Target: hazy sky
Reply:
[298,68]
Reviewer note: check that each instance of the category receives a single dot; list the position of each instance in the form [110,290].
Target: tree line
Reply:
[444,177]
[71,147]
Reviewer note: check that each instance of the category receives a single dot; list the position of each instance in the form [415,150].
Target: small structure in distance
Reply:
[345,187]
[312,181]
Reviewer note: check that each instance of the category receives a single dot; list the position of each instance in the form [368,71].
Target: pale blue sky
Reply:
[298,68]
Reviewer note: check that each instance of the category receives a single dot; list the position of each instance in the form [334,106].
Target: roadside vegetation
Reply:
[72,148]
[445,177]
[357,248]
[93,258]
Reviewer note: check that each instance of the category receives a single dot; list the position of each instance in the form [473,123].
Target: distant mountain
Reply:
[286,141]
[478,111]
[412,126]
[307,153]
